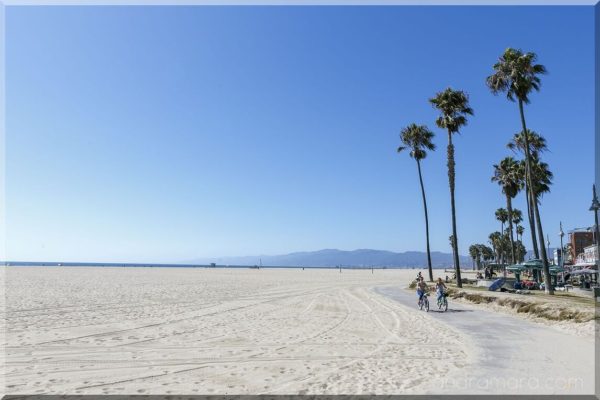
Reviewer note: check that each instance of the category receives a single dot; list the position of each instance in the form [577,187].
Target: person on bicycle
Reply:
[440,288]
[421,289]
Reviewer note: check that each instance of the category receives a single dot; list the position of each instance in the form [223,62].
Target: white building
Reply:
[590,254]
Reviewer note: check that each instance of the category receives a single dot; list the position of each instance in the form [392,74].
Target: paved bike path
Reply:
[511,355]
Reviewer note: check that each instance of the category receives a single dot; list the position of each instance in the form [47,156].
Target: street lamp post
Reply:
[561,234]
[561,254]
[548,246]
[595,207]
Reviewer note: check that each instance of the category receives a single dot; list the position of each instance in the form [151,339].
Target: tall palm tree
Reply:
[530,212]
[452,242]
[517,74]
[454,108]
[418,139]
[506,174]
[502,216]
[517,215]
[507,248]
[537,145]
[541,178]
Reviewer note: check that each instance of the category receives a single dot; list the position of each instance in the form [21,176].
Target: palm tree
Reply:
[454,107]
[517,215]
[541,178]
[417,139]
[517,75]
[520,250]
[520,231]
[452,241]
[507,175]
[487,252]
[495,240]
[475,254]
[537,145]
[502,216]
[507,246]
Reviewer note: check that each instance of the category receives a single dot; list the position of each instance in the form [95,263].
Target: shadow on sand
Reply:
[449,311]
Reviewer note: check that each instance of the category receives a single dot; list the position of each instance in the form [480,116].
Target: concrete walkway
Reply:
[511,355]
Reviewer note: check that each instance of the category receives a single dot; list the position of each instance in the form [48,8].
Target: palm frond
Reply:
[516,74]
[417,138]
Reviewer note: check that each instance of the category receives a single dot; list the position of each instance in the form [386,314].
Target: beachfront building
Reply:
[586,259]
[579,239]
[590,254]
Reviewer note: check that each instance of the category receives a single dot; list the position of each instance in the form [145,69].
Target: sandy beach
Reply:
[269,331]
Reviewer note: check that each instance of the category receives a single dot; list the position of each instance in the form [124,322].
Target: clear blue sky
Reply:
[163,134]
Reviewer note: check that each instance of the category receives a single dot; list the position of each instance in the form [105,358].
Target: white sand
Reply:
[222,331]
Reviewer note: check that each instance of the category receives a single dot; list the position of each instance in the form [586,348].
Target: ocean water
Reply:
[149,265]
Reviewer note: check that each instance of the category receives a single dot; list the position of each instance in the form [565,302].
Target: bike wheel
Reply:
[420,304]
[426,305]
[445,304]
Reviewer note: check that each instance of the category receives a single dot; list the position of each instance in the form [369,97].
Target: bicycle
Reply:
[443,302]
[424,302]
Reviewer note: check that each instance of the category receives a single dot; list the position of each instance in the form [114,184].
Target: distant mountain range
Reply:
[333,257]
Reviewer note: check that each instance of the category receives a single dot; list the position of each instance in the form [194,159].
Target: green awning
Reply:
[516,268]
[556,269]
[534,264]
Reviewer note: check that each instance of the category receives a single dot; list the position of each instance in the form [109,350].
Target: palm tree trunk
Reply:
[510,225]
[536,211]
[451,178]
[426,222]
[531,219]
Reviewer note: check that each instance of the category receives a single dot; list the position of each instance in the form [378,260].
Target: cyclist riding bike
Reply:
[440,288]
[421,289]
